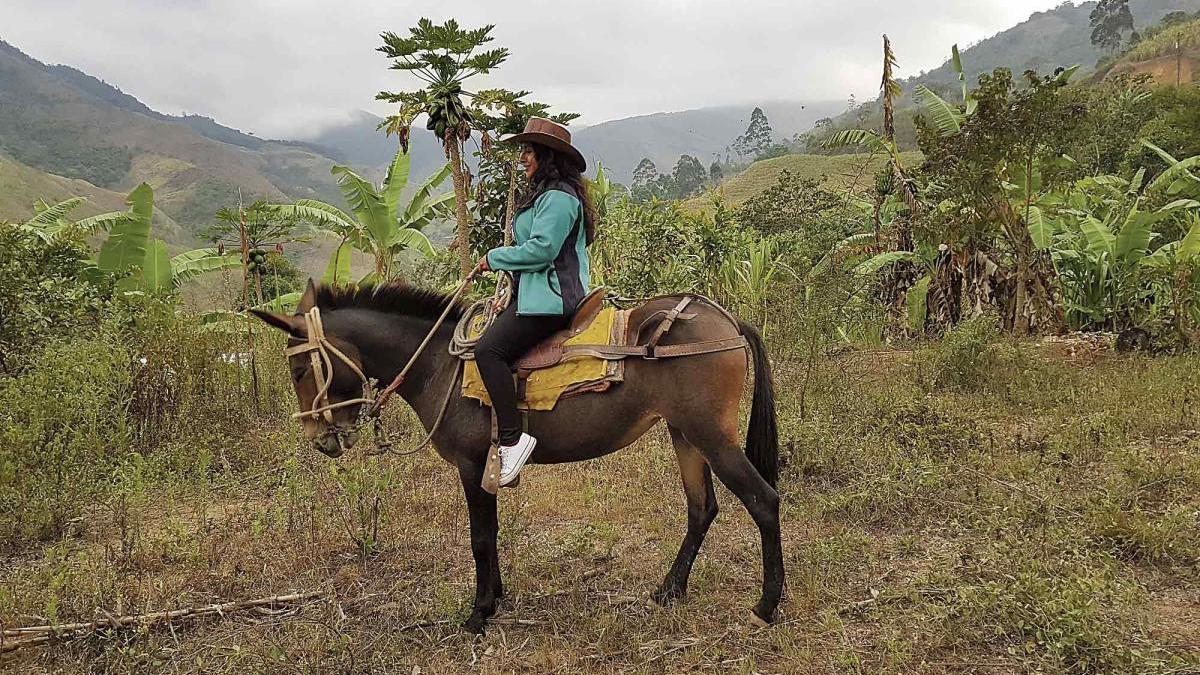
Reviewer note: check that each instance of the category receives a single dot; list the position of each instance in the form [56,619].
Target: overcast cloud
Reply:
[284,68]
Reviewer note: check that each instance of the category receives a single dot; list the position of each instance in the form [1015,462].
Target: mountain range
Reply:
[620,144]
[60,127]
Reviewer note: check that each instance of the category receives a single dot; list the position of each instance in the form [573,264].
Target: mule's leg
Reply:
[484,528]
[701,510]
[717,442]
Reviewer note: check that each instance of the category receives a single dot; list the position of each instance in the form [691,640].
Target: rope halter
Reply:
[318,347]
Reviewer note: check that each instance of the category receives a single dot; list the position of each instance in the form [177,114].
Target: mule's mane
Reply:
[392,298]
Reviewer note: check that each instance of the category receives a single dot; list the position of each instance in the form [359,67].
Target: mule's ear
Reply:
[309,299]
[287,324]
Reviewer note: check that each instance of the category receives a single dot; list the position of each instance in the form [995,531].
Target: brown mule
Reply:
[380,329]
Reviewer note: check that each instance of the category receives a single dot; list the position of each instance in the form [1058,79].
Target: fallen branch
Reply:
[34,635]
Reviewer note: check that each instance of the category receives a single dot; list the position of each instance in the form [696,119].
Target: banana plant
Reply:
[378,223]
[1173,271]
[140,263]
[1178,180]
[1102,236]
[50,221]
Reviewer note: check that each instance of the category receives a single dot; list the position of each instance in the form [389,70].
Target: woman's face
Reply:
[528,160]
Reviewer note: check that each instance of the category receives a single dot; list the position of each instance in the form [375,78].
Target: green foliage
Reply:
[814,218]
[688,177]
[1178,34]
[60,147]
[963,359]
[381,225]
[756,140]
[42,293]
[62,423]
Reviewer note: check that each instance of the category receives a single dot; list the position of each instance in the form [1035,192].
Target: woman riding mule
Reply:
[344,340]
[553,227]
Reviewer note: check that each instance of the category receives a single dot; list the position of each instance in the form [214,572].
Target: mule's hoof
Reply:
[665,597]
[474,624]
[759,622]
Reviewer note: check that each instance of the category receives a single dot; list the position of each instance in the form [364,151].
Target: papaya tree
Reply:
[445,58]
[379,222]
[498,112]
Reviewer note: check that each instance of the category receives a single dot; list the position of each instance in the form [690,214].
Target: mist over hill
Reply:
[619,144]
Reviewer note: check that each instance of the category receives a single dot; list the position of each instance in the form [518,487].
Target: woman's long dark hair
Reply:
[556,168]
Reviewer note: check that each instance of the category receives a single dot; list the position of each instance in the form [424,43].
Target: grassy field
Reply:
[840,172]
[1037,513]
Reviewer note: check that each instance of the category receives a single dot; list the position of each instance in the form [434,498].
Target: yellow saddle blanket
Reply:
[574,376]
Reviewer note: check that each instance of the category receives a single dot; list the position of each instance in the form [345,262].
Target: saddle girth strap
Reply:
[615,353]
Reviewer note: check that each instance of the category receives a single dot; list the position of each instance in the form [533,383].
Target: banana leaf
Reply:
[916,301]
[125,246]
[337,272]
[156,270]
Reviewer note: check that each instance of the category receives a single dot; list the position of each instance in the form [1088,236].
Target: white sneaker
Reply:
[513,458]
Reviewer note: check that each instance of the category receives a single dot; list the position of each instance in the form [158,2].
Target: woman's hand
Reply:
[482,265]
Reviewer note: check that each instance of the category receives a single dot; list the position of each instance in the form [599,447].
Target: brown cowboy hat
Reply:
[553,135]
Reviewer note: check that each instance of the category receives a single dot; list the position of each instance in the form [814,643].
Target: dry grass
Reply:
[918,530]
[836,172]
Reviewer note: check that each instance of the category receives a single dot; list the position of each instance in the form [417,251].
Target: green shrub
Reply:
[1057,613]
[62,427]
[42,295]
[965,357]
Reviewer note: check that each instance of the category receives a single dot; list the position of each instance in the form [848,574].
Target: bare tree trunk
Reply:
[245,241]
[510,209]
[462,236]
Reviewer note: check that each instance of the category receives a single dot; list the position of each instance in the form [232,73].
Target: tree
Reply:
[250,230]
[444,57]
[1111,20]
[381,225]
[688,176]
[715,174]
[757,137]
[991,172]
[646,180]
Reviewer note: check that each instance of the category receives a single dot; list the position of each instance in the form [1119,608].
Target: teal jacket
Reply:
[549,262]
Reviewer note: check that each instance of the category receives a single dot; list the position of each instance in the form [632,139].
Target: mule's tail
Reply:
[762,438]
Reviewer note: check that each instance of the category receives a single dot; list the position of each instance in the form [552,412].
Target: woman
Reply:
[553,227]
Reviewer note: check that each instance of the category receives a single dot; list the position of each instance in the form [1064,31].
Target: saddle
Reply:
[554,350]
[549,352]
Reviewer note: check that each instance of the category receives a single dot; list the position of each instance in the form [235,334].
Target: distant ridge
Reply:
[619,144]
[1059,37]
[64,122]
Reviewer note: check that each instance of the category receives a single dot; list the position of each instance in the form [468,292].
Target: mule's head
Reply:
[331,427]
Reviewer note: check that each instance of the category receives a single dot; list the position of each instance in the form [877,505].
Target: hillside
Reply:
[703,133]
[840,172]
[1045,41]
[61,121]
[21,186]
[1171,56]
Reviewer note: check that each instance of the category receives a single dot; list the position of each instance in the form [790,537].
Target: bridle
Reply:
[319,348]
[320,351]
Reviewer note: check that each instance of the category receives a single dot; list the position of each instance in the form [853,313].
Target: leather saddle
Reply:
[549,352]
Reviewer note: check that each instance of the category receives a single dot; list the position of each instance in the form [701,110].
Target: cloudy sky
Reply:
[284,68]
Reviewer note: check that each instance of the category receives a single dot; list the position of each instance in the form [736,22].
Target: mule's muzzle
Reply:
[335,442]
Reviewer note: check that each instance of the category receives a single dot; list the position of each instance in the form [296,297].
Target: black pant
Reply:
[506,340]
